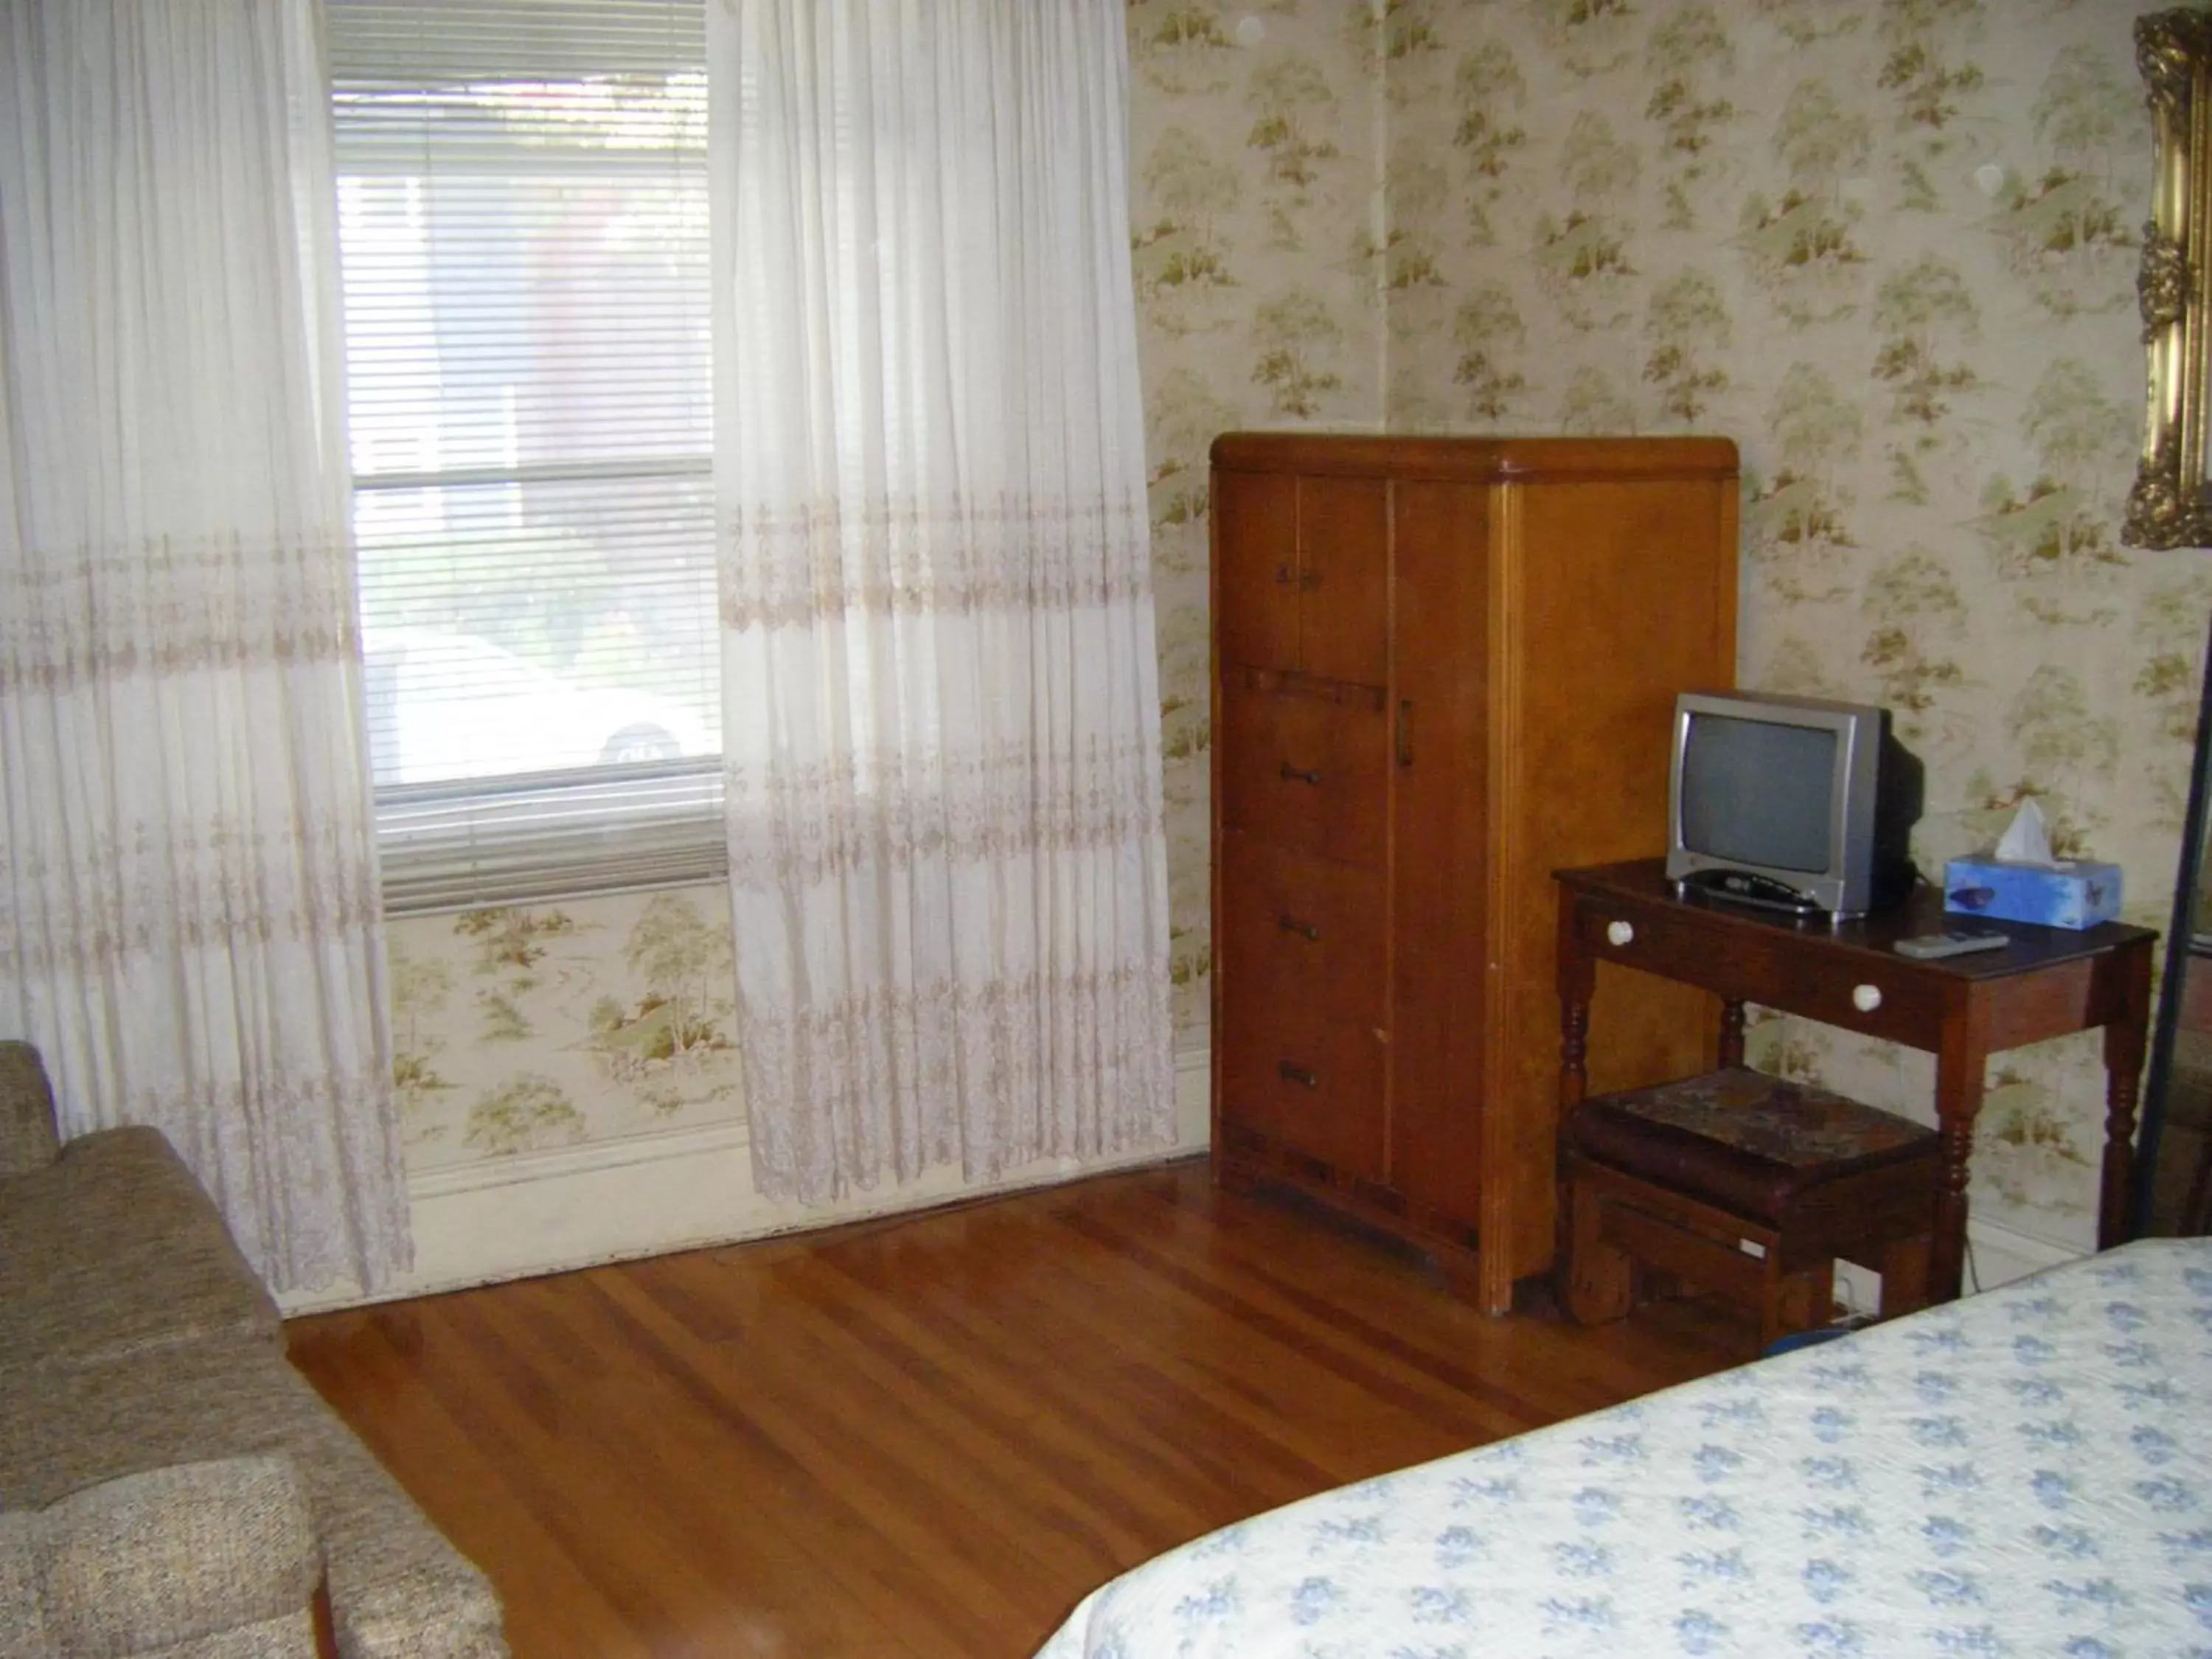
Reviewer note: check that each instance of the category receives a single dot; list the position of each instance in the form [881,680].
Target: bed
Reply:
[2028,1471]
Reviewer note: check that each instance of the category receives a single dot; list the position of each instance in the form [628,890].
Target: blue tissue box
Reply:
[2075,894]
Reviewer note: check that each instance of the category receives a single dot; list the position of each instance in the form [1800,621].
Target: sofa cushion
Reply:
[214,1560]
[398,1589]
[113,1250]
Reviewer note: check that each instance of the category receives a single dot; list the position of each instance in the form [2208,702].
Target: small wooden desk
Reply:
[2047,982]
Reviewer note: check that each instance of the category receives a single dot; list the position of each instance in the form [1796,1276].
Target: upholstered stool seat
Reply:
[1749,1185]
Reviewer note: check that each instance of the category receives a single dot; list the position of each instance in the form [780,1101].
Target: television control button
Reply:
[1866,998]
[1620,933]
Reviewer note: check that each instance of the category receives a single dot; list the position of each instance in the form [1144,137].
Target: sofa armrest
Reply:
[28,1138]
[149,1562]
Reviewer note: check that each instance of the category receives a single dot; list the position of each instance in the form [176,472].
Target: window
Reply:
[522,230]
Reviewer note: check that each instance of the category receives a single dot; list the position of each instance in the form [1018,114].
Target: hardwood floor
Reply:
[932,1436]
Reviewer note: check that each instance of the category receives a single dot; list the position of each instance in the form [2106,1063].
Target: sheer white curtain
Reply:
[940,714]
[189,918]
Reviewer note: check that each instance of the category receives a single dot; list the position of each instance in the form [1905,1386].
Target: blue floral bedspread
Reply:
[2026,1472]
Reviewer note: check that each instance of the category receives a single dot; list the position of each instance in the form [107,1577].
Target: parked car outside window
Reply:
[447,706]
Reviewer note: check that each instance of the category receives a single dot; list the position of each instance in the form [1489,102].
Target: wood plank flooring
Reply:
[930,1437]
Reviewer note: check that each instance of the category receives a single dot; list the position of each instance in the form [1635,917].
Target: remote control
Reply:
[1928,945]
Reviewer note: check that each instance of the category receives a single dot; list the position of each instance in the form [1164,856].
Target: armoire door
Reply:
[1305,562]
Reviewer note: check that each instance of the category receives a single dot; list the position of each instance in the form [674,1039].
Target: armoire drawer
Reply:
[1299,929]
[1303,1074]
[1305,764]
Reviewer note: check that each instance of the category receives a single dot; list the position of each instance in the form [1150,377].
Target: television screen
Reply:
[1758,792]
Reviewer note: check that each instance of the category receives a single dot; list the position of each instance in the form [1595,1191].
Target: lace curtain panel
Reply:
[189,919]
[940,703]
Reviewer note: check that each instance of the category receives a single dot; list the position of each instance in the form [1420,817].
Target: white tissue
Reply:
[2026,839]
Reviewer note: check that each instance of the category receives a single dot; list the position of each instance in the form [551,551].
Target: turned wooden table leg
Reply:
[1731,1031]
[1574,1056]
[1947,1249]
[2125,1039]
[1576,980]
[1959,1070]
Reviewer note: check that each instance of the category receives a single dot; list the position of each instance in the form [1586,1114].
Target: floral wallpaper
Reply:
[1889,248]
[524,1027]
[1255,164]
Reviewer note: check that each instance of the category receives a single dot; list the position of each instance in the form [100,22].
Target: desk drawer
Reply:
[1874,991]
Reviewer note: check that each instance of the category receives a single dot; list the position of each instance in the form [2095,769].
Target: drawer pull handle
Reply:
[1866,998]
[1292,775]
[1282,575]
[1310,581]
[1620,933]
[1302,929]
[1303,1076]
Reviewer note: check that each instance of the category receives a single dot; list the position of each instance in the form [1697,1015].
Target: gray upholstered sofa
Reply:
[136,1342]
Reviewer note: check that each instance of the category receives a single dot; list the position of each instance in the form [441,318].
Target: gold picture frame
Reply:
[2171,504]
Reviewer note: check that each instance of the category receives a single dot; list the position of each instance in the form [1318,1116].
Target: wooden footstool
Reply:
[1749,1185]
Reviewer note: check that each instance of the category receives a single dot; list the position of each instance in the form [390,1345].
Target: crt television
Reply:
[1797,804]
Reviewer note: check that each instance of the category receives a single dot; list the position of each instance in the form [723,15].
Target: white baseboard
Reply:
[527,1214]
[559,1162]
[1995,1254]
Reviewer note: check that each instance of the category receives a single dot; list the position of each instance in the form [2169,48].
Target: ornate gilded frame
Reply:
[2171,505]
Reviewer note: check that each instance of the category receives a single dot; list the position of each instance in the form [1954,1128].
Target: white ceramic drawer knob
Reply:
[1866,998]
[1619,932]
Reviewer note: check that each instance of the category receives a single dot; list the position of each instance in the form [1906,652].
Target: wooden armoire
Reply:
[1442,668]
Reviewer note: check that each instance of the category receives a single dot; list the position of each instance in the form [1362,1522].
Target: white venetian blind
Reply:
[522,223]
